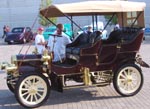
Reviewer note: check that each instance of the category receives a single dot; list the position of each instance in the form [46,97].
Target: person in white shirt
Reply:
[57,44]
[40,41]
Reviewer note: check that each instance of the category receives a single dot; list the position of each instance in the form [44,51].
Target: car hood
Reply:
[13,35]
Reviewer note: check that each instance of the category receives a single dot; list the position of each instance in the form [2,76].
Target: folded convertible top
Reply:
[91,7]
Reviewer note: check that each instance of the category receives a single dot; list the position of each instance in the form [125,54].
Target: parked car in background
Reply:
[146,32]
[85,28]
[68,31]
[19,35]
[52,29]
[48,31]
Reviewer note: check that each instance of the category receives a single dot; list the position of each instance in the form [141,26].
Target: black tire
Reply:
[32,90]
[9,43]
[123,80]
[10,86]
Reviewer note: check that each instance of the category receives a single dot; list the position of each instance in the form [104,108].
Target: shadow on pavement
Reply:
[7,100]
[77,95]
[68,96]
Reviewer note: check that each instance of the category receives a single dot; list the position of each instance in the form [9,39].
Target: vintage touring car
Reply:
[95,62]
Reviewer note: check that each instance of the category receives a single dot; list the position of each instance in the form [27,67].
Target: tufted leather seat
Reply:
[114,37]
[83,41]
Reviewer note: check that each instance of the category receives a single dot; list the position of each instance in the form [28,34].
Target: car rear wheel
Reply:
[128,80]
[32,90]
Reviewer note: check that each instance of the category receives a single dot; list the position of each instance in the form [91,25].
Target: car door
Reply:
[108,53]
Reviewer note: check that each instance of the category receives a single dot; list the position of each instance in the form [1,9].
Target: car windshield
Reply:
[17,30]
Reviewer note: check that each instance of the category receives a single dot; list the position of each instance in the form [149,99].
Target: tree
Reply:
[113,21]
[42,20]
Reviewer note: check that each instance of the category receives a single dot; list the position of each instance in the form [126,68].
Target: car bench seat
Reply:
[84,45]
[114,37]
[121,36]
[81,41]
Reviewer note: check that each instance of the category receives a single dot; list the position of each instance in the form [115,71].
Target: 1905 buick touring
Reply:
[92,62]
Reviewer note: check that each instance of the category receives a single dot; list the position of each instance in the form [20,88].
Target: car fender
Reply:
[141,62]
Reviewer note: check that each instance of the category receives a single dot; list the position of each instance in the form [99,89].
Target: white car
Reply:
[104,35]
[83,29]
[100,28]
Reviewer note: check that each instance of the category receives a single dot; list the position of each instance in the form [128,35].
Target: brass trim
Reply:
[83,86]
[69,74]
[26,60]
[81,72]
[86,76]
[118,46]
[14,59]
[11,68]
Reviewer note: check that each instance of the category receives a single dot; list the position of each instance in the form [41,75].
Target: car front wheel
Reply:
[32,90]
[128,80]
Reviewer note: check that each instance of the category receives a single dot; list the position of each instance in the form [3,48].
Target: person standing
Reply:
[57,44]
[6,29]
[40,41]
[89,30]
[117,27]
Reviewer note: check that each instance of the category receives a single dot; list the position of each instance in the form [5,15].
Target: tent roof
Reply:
[91,7]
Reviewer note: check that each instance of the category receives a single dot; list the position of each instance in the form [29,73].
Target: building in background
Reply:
[18,13]
[24,12]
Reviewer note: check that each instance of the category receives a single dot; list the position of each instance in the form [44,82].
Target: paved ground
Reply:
[81,98]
